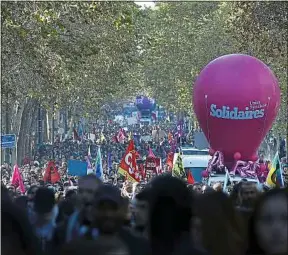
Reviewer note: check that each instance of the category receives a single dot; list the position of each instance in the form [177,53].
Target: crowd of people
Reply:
[164,217]
[160,215]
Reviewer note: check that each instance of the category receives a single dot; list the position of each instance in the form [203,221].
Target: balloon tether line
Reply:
[264,124]
[207,122]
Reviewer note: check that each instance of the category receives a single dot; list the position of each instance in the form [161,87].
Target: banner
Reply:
[128,166]
[146,138]
[77,167]
[150,165]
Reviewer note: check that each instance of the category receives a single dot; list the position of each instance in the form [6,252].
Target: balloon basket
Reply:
[227,179]
[217,170]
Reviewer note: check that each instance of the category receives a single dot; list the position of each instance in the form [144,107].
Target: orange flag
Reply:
[190,178]
[128,166]
[51,173]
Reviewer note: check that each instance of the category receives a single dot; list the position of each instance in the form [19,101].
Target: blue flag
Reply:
[109,163]
[98,165]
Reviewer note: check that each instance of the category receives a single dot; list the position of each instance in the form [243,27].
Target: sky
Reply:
[145,4]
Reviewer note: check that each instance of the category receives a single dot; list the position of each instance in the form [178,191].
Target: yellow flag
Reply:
[274,177]
[102,137]
[178,168]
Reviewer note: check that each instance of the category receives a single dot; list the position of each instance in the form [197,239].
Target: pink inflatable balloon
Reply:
[236,99]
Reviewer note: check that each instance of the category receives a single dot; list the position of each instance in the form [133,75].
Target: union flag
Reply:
[128,166]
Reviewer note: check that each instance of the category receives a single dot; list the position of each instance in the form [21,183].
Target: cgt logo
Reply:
[129,162]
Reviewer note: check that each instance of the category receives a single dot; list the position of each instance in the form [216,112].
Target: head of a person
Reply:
[31,195]
[141,208]
[234,195]
[207,189]
[197,188]
[248,194]
[11,191]
[218,186]
[87,187]
[71,195]
[66,209]
[44,202]
[17,236]
[170,201]
[268,225]
[21,201]
[216,211]
[107,209]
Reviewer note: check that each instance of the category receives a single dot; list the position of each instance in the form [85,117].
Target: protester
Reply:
[79,222]
[17,236]
[248,193]
[217,215]
[268,225]
[44,221]
[143,211]
[170,201]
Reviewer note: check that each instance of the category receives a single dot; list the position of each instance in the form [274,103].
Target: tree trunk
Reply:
[23,139]
[48,126]
[45,127]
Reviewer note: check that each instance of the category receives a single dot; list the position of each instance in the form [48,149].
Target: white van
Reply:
[194,160]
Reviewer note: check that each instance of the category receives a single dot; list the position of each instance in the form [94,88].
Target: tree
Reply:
[58,54]
[77,56]
[260,29]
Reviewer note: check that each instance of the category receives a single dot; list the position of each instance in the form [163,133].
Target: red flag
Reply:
[51,173]
[128,166]
[190,178]
[16,180]
[142,171]
[151,154]
[120,136]
[137,155]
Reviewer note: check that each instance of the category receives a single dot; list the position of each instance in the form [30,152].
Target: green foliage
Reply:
[260,29]
[180,38]
[80,55]
[68,53]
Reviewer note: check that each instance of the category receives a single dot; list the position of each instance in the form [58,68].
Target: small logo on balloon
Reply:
[225,112]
